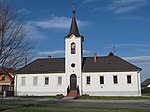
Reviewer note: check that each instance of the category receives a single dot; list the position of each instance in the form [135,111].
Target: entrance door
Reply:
[73,82]
[5,88]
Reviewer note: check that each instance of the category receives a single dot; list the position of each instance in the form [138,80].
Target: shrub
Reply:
[85,95]
[59,96]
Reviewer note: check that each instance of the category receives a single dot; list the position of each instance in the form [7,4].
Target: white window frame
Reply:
[59,79]
[73,50]
[88,82]
[127,79]
[103,79]
[23,81]
[45,81]
[35,80]
[117,80]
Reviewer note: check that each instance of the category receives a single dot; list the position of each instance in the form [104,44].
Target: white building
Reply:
[76,75]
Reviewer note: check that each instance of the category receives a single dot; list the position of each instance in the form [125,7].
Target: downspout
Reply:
[138,82]
[82,64]
[81,85]
[15,88]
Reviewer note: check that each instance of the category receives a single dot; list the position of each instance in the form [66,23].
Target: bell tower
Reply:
[73,55]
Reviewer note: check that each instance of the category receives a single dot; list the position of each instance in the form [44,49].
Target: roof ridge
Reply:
[50,58]
[98,56]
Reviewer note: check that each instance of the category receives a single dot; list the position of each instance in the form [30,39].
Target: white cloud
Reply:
[86,52]
[131,18]
[56,22]
[123,2]
[136,48]
[120,6]
[34,33]
[57,52]
[142,62]
[47,53]
[128,8]
[88,1]
[138,58]
[129,46]
[23,11]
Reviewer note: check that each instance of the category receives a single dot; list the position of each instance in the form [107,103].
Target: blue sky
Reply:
[123,24]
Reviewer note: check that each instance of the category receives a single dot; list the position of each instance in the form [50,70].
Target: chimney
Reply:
[95,57]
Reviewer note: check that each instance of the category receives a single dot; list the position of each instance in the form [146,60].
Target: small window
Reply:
[3,77]
[72,65]
[59,80]
[73,48]
[23,81]
[115,79]
[35,81]
[101,79]
[129,79]
[88,80]
[46,80]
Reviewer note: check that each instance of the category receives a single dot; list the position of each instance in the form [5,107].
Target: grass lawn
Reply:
[49,97]
[12,107]
[58,96]
[93,97]
[114,98]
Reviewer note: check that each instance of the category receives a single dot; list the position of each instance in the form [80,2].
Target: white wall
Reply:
[41,89]
[110,89]
[73,58]
[94,89]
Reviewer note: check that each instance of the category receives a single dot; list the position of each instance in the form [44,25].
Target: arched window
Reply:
[73,48]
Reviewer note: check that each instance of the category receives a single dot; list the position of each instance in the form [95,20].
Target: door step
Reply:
[73,93]
[68,98]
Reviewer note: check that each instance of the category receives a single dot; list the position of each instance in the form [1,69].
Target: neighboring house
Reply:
[77,75]
[6,80]
[145,83]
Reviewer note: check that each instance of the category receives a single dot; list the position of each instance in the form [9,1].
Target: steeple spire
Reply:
[73,28]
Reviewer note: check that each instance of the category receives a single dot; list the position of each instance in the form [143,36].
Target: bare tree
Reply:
[15,47]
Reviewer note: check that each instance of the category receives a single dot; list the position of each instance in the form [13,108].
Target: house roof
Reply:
[108,64]
[145,83]
[57,65]
[8,71]
[46,65]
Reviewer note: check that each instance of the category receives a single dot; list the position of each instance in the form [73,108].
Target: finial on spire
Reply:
[74,27]
[73,9]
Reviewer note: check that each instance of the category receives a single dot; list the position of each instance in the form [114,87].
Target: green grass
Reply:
[94,97]
[114,98]
[51,97]
[58,96]
[12,107]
